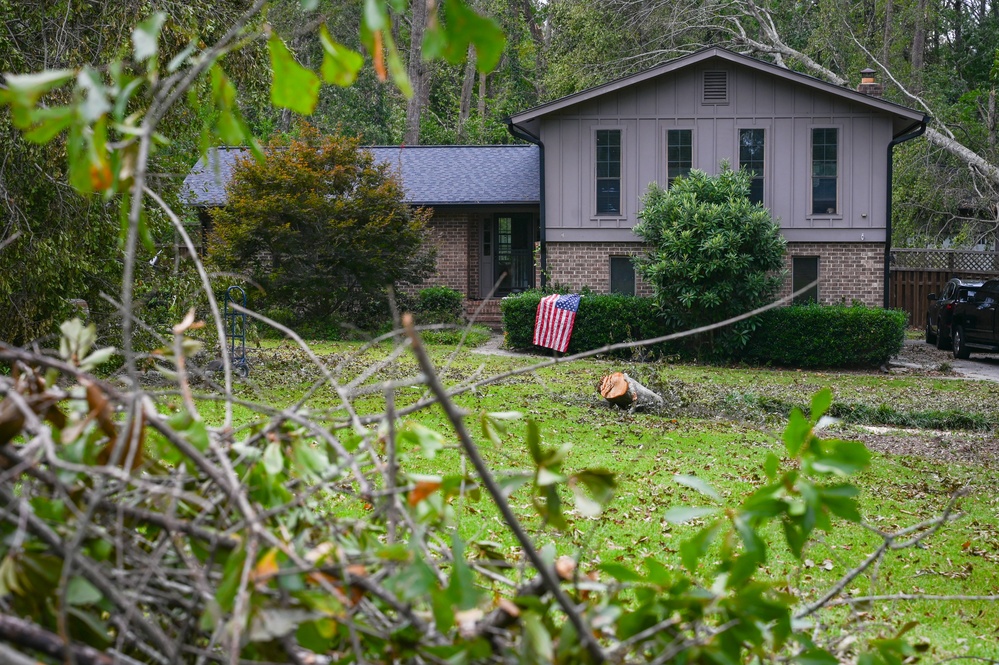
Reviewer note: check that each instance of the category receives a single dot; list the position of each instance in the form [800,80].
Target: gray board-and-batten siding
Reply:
[785,104]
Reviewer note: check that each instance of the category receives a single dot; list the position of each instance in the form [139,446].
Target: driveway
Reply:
[918,355]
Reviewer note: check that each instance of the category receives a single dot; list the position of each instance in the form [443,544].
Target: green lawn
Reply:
[719,425]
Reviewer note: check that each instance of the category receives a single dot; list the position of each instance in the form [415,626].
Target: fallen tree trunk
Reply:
[624,392]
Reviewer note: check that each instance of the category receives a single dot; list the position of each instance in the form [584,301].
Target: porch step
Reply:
[490,316]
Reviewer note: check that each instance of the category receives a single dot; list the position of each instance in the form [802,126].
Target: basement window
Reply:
[805,270]
[622,275]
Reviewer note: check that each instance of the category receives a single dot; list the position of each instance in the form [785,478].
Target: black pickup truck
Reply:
[975,324]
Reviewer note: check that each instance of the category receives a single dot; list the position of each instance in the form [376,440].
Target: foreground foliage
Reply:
[158,534]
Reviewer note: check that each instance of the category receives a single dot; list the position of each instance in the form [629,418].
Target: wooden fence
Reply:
[916,273]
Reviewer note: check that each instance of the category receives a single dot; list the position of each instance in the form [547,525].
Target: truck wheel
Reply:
[943,337]
[961,350]
[930,337]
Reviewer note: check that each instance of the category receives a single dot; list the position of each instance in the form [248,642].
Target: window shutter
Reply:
[715,87]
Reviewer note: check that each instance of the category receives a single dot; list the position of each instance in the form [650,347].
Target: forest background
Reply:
[939,56]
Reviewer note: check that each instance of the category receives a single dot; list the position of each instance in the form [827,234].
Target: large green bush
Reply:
[601,320]
[826,336]
[712,255]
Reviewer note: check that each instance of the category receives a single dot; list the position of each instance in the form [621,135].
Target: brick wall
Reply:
[455,234]
[579,264]
[847,270]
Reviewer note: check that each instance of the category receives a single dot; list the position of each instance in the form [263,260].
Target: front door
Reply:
[514,234]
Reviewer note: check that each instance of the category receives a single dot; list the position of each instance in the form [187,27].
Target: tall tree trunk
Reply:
[467,84]
[482,103]
[537,35]
[990,119]
[889,12]
[419,74]
[919,38]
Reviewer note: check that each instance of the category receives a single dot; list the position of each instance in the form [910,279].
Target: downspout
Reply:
[521,133]
[913,131]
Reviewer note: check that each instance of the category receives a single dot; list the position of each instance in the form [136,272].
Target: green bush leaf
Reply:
[292,85]
[340,64]
[796,433]
[145,37]
[685,514]
[698,485]
[79,591]
[821,401]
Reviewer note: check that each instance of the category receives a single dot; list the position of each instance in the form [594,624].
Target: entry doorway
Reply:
[515,235]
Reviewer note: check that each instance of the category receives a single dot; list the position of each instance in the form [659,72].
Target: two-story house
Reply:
[820,154]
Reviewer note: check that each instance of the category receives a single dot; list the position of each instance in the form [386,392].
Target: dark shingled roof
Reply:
[431,175]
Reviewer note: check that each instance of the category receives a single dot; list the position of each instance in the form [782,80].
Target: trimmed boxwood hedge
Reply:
[826,336]
[803,336]
[601,320]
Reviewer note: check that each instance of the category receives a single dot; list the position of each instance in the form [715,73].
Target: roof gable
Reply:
[724,55]
[431,175]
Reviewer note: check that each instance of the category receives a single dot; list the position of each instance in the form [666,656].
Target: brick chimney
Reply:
[868,85]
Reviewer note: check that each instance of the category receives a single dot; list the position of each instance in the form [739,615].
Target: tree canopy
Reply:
[319,224]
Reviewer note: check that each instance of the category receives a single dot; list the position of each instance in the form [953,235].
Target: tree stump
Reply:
[624,392]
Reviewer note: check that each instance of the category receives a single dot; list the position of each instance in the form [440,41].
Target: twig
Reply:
[458,422]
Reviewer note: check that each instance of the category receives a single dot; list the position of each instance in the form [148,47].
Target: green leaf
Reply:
[179,59]
[309,5]
[537,639]
[698,485]
[95,103]
[197,434]
[620,572]
[600,483]
[842,458]
[511,483]
[145,37]
[548,477]
[97,358]
[821,401]
[24,90]
[292,85]
[49,123]
[815,657]
[310,460]
[796,433]
[694,548]
[273,460]
[770,466]
[79,591]
[461,590]
[449,38]
[268,624]
[429,441]
[685,514]
[340,64]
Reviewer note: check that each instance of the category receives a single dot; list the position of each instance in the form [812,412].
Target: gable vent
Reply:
[715,88]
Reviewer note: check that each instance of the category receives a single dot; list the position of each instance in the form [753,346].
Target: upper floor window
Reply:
[679,153]
[608,171]
[751,158]
[825,171]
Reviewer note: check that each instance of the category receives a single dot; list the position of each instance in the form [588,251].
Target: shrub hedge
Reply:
[826,336]
[601,320]
[799,336]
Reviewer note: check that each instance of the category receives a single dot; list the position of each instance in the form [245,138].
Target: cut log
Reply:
[622,391]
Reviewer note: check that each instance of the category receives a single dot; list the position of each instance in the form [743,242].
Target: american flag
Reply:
[553,326]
